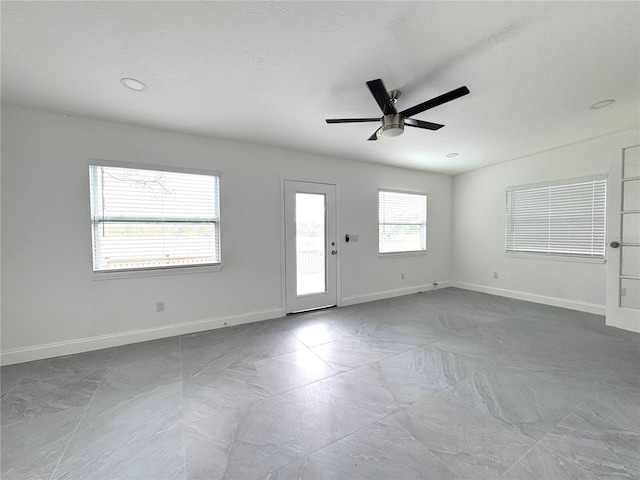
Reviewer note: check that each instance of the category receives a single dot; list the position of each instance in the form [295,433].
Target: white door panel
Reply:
[623,226]
[310,245]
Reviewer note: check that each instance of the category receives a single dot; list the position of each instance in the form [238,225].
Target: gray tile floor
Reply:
[447,384]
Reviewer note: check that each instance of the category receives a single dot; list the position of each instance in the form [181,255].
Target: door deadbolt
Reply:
[614,244]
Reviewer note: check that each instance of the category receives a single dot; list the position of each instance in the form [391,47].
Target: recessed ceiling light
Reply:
[451,155]
[133,84]
[602,104]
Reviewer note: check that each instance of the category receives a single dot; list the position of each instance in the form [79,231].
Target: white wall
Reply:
[478,228]
[51,305]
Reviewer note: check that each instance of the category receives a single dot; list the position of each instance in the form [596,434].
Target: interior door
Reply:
[310,245]
[623,225]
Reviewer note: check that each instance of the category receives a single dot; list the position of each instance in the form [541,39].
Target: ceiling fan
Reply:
[393,122]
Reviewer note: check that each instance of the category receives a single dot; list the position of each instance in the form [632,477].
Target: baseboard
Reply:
[630,324]
[37,352]
[594,308]
[397,292]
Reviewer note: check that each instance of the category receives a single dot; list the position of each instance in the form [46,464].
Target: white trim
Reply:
[625,323]
[617,316]
[155,272]
[162,270]
[151,166]
[283,236]
[554,257]
[561,182]
[407,253]
[80,345]
[339,245]
[283,250]
[395,190]
[412,253]
[594,308]
[398,292]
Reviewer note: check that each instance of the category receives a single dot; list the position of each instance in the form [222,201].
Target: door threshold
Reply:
[325,307]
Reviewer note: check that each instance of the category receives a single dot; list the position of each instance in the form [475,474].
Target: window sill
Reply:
[402,254]
[557,258]
[157,272]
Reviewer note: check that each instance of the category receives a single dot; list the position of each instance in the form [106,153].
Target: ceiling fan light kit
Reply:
[392,122]
[392,125]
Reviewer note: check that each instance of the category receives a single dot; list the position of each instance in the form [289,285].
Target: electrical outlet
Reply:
[402,276]
[495,274]
[159,306]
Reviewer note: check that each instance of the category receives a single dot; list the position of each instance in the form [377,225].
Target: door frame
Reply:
[616,316]
[339,244]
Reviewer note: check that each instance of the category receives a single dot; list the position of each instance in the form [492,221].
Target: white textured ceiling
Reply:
[271,72]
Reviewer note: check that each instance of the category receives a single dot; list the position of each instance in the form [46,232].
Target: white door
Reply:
[310,245]
[623,228]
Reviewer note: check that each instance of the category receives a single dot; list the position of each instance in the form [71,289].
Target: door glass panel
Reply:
[630,257]
[630,293]
[310,243]
[631,162]
[631,228]
[631,195]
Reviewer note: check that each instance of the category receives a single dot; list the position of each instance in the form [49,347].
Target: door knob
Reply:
[614,244]
[333,252]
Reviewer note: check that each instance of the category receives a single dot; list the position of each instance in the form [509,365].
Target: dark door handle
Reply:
[614,244]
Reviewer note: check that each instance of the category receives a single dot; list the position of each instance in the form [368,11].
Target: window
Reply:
[562,218]
[402,222]
[149,219]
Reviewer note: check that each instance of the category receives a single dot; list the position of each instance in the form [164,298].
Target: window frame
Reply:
[161,270]
[556,255]
[404,253]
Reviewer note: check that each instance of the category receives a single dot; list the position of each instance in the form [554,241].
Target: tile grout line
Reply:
[538,442]
[323,361]
[367,425]
[83,414]
[271,394]
[337,374]
[21,378]
[320,344]
[310,348]
[306,455]
[438,459]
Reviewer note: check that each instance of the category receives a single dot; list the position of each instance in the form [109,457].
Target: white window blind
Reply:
[149,219]
[402,222]
[565,218]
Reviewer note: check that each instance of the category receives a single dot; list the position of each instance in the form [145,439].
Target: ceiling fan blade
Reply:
[434,102]
[412,122]
[351,120]
[381,95]
[375,135]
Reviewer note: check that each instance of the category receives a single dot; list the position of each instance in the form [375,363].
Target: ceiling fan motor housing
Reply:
[393,122]
[392,125]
